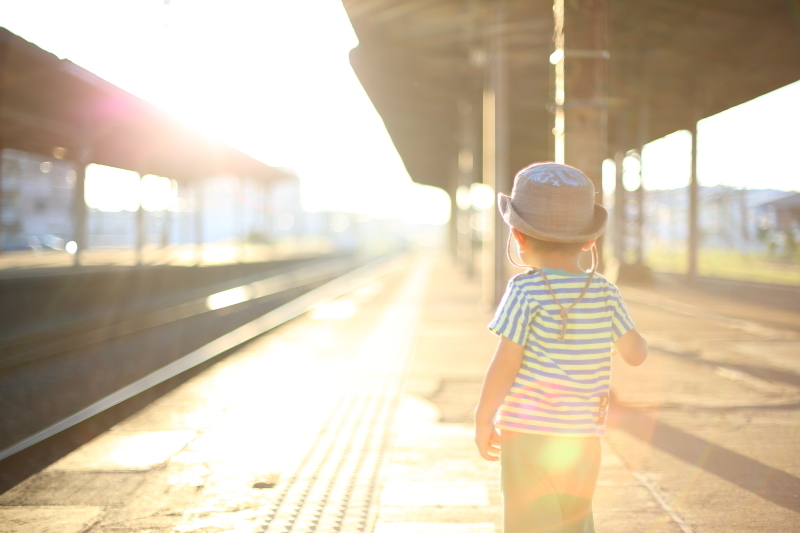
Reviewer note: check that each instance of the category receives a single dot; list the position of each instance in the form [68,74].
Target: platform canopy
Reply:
[52,106]
[667,63]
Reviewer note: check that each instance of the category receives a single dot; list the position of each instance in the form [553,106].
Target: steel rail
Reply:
[304,303]
[269,286]
[89,321]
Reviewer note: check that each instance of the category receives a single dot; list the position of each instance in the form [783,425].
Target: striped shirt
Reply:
[562,386]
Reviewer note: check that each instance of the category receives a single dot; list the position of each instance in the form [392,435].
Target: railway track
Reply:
[73,384]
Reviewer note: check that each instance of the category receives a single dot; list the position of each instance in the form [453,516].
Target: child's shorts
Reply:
[548,482]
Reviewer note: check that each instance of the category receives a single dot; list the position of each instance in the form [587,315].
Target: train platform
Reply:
[38,262]
[356,417]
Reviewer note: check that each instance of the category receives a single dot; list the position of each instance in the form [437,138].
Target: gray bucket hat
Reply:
[553,202]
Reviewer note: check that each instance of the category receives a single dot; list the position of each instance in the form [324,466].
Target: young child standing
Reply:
[547,387]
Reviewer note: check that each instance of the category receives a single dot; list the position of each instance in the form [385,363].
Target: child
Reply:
[550,375]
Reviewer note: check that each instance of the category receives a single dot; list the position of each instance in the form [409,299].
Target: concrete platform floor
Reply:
[355,417]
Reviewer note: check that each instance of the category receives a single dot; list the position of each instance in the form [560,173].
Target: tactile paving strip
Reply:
[333,489]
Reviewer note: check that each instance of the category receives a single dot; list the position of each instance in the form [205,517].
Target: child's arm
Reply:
[632,348]
[500,376]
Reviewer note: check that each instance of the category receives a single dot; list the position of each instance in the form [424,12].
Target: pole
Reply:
[501,177]
[3,53]
[466,176]
[1,172]
[620,228]
[643,134]
[495,154]
[487,248]
[240,206]
[140,230]
[79,210]
[583,43]
[166,227]
[454,239]
[197,190]
[694,193]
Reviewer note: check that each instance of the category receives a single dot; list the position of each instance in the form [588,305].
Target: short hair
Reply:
[549,246]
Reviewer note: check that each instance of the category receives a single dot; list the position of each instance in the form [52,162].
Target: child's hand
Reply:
[488,441]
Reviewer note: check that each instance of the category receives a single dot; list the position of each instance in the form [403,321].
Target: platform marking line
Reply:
[334,487]
[240,335]
[679,308]
[657,495]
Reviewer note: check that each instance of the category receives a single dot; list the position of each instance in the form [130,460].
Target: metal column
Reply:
[166,228]
[140,231]
[240,206]
[79,210]
[694,201]
[620,225]
[495,157]
[466,177]
[581,102]
[197,192]
[454,240]
[643,135]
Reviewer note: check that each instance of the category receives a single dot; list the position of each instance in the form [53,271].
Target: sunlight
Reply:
[227,298]
[111,189]
[158,193]
[753,145]
[336,310]
[270,78]
[427,205]
[667,162]
[609,176]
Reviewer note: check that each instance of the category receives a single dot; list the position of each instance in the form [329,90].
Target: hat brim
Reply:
[599,221]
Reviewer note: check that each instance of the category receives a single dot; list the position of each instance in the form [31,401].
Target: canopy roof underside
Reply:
[676,60]
[47,102]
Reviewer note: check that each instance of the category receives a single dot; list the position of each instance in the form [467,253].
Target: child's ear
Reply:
[588,245]
[519,237]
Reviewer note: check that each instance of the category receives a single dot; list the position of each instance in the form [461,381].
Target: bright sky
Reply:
[754,145]
[269,77]
[272,78]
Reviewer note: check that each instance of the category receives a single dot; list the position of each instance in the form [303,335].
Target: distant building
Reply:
[779,223]
[37,201]
[781,213]
[727,217]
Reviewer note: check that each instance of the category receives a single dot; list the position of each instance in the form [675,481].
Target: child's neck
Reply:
[568,263]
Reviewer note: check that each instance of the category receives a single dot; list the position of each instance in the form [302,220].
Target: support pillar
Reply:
[643,135]
[453,235]
[240,206]
[581,102]
[488,238]
[140,229]
[79,211]
[502,179]
[466,176]
[3,53]
[199,205]
[694,207]
[266,210]
[166,227]
[495,158]
[639,195]
[1,187]
[620,225]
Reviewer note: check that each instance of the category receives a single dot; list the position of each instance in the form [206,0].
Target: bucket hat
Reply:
[553,202]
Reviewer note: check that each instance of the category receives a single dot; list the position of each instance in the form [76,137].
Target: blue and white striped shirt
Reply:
[562,387]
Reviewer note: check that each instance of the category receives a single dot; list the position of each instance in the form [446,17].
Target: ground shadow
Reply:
[754,476]
[769,374]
